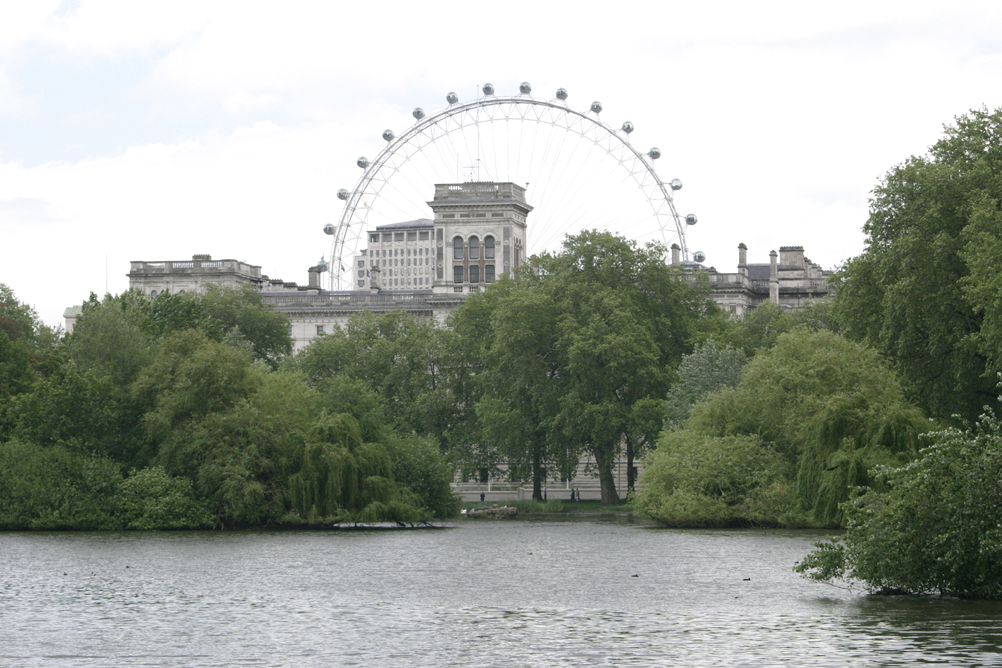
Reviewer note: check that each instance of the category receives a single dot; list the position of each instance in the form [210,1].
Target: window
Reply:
[474,273]
[474,248]
[320,330]
[488,248]
[412,236]
[373,238]
[458,273]
[361,273]
[457,249]
[361,284]
[489,273]
[153,293]
[361,263]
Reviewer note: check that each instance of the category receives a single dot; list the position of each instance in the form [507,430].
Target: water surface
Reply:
[523,593]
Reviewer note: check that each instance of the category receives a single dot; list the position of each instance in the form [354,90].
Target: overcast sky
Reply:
[152,131]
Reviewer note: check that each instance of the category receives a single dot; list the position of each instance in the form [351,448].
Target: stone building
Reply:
[476,236]
[792,282]
[428,266]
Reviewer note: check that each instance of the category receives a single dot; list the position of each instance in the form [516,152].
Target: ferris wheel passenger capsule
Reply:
[699,256]
[362,162]
[690,219]
[488,89]
[524,88]
[329,229]
[418,113]
[627,127]
[342,194]
[596,106]
[388,135]
[561,93]
[452,98]
[676,184]
[655,153]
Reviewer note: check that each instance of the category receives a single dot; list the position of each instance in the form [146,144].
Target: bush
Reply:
[935,525]
[151,499]
[55,488]
[419,466]
[700,481]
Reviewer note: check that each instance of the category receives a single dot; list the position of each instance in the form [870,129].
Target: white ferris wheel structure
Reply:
[580,173]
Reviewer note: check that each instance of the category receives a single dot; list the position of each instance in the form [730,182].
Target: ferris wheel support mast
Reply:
[609,140]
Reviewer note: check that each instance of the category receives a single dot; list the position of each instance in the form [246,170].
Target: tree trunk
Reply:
[537,478]
[603,457]
[629,464]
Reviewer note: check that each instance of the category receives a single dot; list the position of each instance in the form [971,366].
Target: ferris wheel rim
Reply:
[425,122]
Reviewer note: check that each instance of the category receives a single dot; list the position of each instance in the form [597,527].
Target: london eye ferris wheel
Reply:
[579,172]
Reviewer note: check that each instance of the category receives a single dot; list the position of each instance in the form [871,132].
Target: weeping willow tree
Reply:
[829,408]
[340,479]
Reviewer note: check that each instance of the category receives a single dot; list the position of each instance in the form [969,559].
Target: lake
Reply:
[530,592]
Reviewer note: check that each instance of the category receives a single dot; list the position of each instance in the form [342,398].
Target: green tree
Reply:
[696,480]
[933,218]
[242,310]
[572,347]
[830,407]
[112,338]
[399,357]
[55,488]
[934,525]
[707,369]
[151,499]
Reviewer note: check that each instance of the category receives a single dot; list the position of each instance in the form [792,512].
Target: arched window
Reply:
[457,249]
[474,248]
[488,248]
[153,294]
[458,273]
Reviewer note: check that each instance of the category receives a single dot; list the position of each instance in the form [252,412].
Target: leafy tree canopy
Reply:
[830,407]
[934,525]
[924,292]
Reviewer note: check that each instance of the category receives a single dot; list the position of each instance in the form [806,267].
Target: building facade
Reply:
[789,280]
[476,236]
[428,266]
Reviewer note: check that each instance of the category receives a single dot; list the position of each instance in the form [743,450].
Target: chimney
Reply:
[743,260]
[314,273]
[773,279]
[375,284]
[791,256]
[675,248]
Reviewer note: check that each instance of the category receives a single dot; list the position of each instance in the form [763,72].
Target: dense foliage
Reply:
[823,411]
[934,525]
[924,293]
[575,356]
[173,413]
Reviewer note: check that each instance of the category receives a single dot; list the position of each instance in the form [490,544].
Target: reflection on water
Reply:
[524,593]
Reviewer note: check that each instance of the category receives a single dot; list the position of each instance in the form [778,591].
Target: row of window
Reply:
[494,214]
[417,261]
[388,237]
[393,252]
[474,248]
[458,273]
